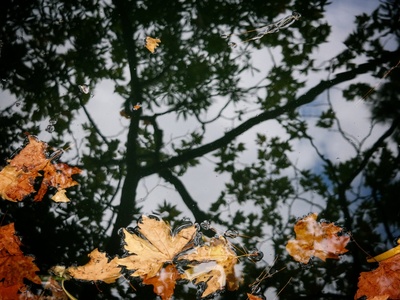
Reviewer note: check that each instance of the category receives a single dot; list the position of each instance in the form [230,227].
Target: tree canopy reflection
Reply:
[50,48]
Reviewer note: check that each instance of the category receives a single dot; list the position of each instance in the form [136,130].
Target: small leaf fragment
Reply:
[152,44]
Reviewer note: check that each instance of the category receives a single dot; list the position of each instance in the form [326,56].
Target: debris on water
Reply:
[231,234]
[256,255]
[50,128]
[206,225]
[84,88]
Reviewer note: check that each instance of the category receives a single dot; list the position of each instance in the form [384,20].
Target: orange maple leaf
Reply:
[152,44]
[14,266]
[383,282]
[213,263]
[17,179]
[316,239]
[98,268]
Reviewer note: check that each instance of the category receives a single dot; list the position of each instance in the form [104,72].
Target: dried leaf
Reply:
[152,44]
[165,281]
[316,239]
[157,247]
[98,268]
[18,177]
[14,266]
[216,266]
[383,282]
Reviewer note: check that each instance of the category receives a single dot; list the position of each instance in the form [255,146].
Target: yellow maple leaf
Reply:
[158,246]
[152,44]
[213,263]
[98,268]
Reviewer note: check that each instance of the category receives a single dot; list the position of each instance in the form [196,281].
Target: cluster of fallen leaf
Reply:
[156,254]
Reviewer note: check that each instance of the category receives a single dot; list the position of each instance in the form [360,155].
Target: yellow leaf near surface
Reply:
[152,44]
[60,196]
[158,246]
[98,268]
[385,255]
[316,239]
[213,263]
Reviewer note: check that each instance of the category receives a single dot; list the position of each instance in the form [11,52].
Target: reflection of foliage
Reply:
[49,49]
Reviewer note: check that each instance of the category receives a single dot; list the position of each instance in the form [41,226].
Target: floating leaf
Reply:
[98,268]
[316,239]
[157,246]
[214,264]
[17,179]
[383,282]
[152,44]
[14,265]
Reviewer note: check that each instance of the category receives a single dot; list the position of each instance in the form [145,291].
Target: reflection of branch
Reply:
[371,151]
[267,115]
[92,122]
[191,204]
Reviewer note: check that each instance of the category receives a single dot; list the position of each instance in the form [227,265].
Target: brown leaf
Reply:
[18,177]
[14,266]
[316,239]
[383,282]
[164,282]
[152,44]
[213,263]
[98,268]
[157,247]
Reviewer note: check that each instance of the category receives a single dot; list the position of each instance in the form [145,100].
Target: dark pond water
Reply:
[248,115]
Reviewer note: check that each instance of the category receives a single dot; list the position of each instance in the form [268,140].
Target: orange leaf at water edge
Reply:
[98,268]
[253,297]
[156,247]
[17,179]
[165,281]
[316,239]
[213,263]
[383,282]
[14,266]
[152,44]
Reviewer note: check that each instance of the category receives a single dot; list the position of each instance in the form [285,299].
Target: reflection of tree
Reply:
[49,49]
